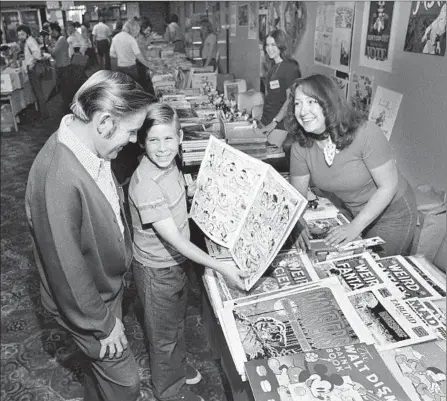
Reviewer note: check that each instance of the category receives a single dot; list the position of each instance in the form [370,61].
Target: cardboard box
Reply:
[11,79]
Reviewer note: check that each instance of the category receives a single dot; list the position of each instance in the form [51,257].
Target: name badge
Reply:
[274,84]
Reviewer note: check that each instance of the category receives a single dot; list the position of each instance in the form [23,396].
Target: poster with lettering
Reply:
[426,28]
[354,372]
[390,321]
[288,269]
[356,272]
[291,322]
[361,93]
[429,272]
[406,278]
[430,315]
[378,35]
[420,369]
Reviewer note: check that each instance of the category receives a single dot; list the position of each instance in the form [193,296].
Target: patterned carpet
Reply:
[39,362]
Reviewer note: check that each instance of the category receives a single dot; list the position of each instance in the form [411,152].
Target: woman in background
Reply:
[282,70]
[174,34]
[345,155]
[209,49]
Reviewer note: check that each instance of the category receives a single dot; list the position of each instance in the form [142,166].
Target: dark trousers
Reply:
[163,293]
[103,47]
[36,86]
[108,379]
[64,78]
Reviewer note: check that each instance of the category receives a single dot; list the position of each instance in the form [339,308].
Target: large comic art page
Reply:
[227,182]
[354,372]
[420,369]
[294,321]
[272,215]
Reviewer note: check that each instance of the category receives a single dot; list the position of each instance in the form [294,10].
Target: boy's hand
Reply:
[234,275]
[191,189]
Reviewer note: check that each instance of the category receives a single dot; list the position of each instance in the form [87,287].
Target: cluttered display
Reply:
[323,323]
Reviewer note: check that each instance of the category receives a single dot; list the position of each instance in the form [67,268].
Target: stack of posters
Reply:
[300,319]
[353,372]
[243,204]
[242,136]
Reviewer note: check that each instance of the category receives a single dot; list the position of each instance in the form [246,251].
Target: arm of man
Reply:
[386,179]
[170,233]
[70,278]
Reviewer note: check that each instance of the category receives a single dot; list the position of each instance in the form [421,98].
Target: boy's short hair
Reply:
[157,114]
[24,28]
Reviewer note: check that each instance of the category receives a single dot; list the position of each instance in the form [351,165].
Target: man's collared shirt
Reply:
[99,169]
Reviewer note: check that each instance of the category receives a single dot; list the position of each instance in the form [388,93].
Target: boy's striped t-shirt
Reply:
[154,195]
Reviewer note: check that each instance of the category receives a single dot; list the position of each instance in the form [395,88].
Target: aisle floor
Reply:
[38,359]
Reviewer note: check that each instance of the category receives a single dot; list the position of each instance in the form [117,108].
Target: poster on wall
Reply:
[342,81]
[243,15]
[262,27]
[384,109]
[273,15]
[333,35]
[426,28]
[378,35]
[361,93]
[233,19]
[253,31]
[295,18]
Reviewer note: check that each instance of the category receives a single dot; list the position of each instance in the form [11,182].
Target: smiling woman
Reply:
[351,158]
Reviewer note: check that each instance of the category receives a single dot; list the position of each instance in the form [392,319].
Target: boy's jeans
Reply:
[163,293]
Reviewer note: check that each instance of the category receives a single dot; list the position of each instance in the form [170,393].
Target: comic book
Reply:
[356,272]
[355,372]
[288,269]
[420,369]
[430,273]
[300,319]
[431,314]
[243,204]
[390,320]
[406,278]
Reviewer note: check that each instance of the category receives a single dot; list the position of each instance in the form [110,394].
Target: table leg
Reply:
[16,128]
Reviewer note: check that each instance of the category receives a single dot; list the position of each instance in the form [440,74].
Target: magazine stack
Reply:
[352,326]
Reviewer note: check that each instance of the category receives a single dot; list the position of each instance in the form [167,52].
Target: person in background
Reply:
[59,51]
[117,28]
[144,40]
[174,34]
[162,250]
[347,156]
[125,49]
[76,41]
[282,71]
[81,240]
[101,39]
[33,55]
[90,51]
[209,49]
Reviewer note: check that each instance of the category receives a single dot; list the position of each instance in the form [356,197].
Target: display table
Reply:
[19,99]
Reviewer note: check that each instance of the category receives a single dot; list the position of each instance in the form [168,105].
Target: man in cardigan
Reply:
[81,238]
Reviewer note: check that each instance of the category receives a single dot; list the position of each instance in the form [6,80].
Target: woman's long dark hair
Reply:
[341,119]
[282,44]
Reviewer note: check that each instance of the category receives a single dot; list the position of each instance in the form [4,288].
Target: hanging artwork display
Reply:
[233,19]
[342,80]
[295,17]
[361,93]
[253,20]
[243,15]
[426,28]
[378,35]
[333,34]
[273,15]
[384,109]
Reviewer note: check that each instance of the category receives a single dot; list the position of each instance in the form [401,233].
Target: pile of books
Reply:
[242,136]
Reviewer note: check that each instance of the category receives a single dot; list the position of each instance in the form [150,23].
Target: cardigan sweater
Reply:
[81,254]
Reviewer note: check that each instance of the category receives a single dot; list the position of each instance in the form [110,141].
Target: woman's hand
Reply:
[234,275]
[341,235]
[268,128]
